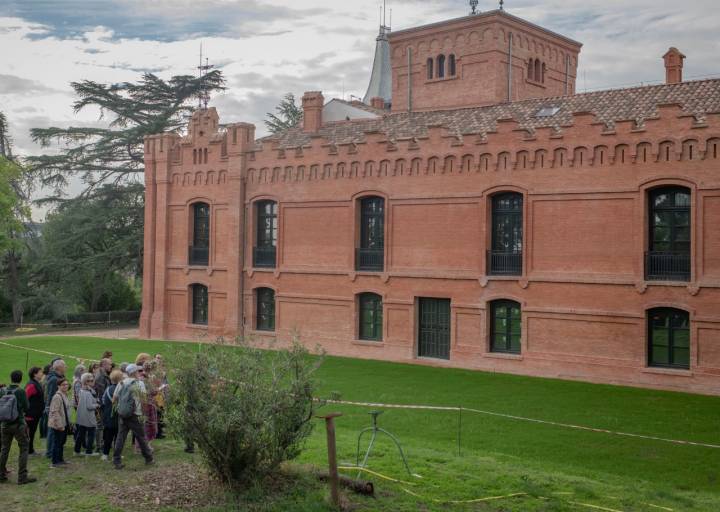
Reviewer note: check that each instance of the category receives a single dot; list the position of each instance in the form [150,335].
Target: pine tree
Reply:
[114,154]
[288,115]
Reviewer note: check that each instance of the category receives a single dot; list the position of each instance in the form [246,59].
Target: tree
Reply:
[288,115]
[247,409]
[115,154]
[15,189]
[10,224]
[91,245]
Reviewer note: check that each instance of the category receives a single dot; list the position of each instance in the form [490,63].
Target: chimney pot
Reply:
[312,103]
[673,66]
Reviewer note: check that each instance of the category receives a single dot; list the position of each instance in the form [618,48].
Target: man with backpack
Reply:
[13,406]
[128,397]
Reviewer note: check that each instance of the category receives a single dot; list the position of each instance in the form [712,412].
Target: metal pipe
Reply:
[567,75]
[409,75]
[509,83]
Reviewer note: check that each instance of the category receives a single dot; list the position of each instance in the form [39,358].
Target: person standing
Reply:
[102,381]
[109,416]
[129,396]
[77,384]
[51,383]
[86,419]
[36,404]
[43,419]
[13,408]
[59,422]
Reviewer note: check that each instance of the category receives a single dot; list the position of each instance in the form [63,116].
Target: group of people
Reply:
[109,402]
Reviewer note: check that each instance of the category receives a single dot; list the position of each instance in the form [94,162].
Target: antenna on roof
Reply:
[203,95]
[502,3]
[473,6]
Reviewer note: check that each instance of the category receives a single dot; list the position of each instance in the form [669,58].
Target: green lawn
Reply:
[555,468]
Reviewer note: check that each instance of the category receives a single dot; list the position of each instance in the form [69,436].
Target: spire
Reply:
[381,77]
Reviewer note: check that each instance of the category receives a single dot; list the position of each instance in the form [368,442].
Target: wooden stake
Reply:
[332,457]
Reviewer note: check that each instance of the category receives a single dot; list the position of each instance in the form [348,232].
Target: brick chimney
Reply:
[377,102]
[312,103]
[673,66]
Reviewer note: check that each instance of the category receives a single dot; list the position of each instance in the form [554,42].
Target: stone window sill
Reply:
[535,83]
[503,355]
[199,327]
[369,343]
[668,371]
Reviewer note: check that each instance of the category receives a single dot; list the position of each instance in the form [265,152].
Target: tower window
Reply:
[441,66]
[430,68]
[451,65]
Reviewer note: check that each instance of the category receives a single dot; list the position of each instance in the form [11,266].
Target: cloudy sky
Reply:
[267,47]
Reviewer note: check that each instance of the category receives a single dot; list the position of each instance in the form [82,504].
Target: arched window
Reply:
[451,65]
[371,253]
[531,69]
[505,326]
[200,248]
[441,66]
[668,338]
[266,234]
[371,317]
[265,309]
[668,257]
[544,69]
[538,70]
[430,68]
[505,256]
[199,304]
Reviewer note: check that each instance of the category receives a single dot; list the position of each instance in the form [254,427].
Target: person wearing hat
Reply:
[131,421]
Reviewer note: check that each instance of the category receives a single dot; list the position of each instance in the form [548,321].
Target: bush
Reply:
[246,409]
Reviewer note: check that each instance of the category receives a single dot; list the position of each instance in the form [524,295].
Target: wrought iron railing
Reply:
[264,256]
[667,266]
[198,255]
[371,260]
[502,263]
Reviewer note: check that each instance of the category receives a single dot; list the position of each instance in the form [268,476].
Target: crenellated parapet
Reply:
[586,142]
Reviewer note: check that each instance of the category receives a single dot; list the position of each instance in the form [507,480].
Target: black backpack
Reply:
[8,407]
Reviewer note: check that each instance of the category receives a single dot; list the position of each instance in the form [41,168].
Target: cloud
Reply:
[11,84]
[159,20]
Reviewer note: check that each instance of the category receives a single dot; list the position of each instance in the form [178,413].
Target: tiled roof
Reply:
[697,98]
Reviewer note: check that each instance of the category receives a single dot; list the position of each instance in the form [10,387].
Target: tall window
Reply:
[451,65]
[199,250]
[669,338]
[505,326]
[266,235]
[505,257]
[371,253]
[668,256]
[371,316]
[265,309]
[199,304]
[430,68]
[441,66]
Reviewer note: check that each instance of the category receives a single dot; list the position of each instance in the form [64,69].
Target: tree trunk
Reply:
[13,281]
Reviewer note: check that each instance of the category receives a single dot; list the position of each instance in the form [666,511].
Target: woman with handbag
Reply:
[59,422]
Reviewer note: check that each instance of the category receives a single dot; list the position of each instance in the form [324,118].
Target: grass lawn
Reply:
[550,468]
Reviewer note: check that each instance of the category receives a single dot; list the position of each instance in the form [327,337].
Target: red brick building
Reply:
[479,215]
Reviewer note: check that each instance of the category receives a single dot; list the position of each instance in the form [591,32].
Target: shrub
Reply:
[246,409]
